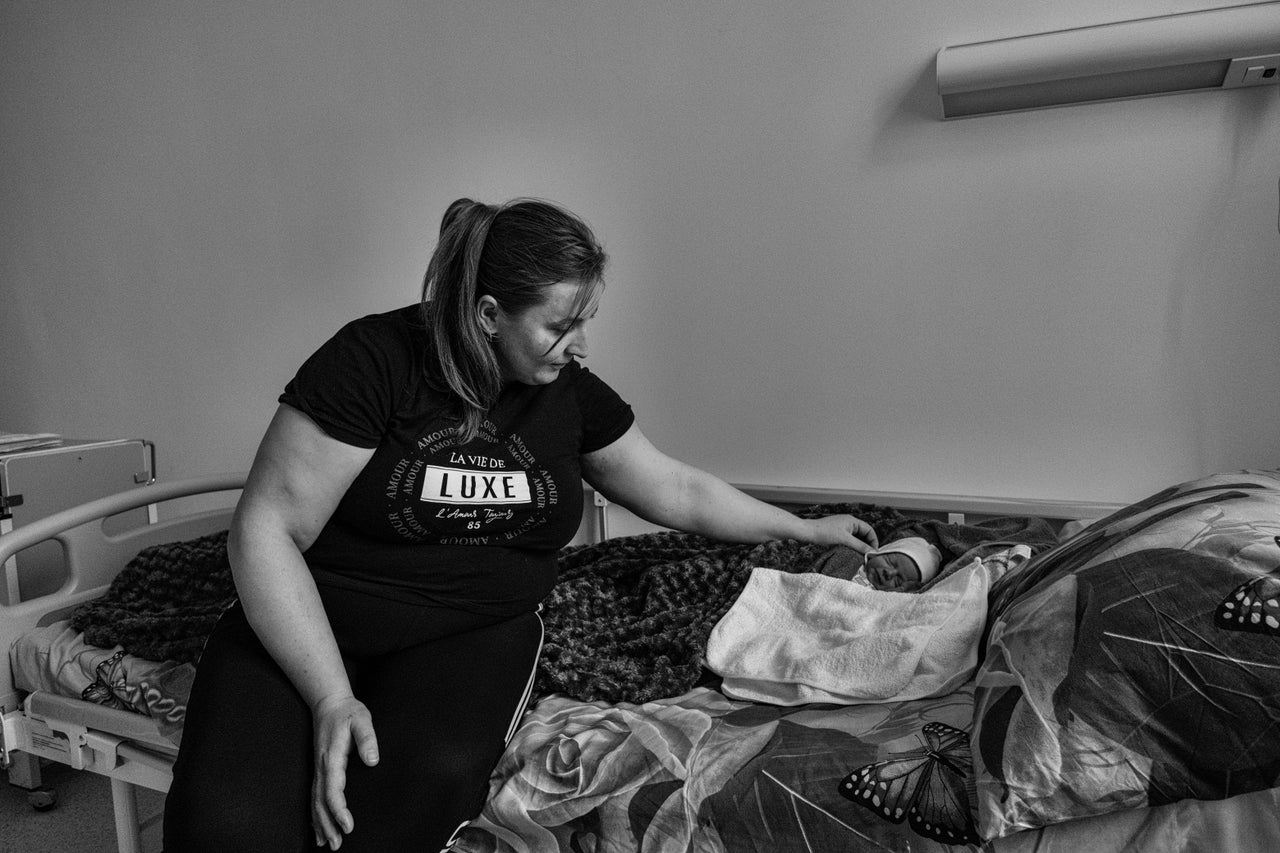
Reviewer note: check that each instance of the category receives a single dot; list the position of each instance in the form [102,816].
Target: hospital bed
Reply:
[130,748]
[1046,746]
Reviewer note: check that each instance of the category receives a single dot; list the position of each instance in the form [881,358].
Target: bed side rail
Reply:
[958,509]
[94,556]
[955,509]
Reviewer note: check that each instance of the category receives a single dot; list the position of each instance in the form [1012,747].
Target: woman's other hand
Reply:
[338,723]
[846,530]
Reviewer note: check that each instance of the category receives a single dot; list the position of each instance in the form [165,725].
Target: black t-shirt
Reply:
[475,526]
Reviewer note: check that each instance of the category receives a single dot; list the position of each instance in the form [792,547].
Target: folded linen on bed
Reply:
[56,658]
[791,639]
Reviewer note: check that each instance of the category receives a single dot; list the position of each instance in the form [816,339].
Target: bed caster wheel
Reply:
[43,799]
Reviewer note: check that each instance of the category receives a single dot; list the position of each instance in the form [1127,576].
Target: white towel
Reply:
[791,639]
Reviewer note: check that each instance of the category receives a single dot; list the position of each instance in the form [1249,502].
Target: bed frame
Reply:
[68,731]
[116,744]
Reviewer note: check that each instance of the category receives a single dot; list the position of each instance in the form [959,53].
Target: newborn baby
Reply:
[903,565]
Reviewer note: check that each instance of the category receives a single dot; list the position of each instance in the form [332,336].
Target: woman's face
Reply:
[535,345]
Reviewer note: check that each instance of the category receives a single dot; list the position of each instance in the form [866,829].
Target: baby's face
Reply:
[894,572]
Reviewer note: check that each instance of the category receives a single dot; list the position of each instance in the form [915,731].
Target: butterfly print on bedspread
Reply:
[1253,606]
[109,684]
[929,787]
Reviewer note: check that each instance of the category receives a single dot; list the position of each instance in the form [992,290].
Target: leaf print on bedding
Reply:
[1149,661]
[647,802]
[1105,538]
[787,795]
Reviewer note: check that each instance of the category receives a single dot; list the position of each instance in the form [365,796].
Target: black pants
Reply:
[445,689]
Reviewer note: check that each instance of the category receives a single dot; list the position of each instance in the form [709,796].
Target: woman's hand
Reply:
[338,723]
[845,530]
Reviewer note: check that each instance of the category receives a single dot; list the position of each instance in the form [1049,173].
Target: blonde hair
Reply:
[512,253]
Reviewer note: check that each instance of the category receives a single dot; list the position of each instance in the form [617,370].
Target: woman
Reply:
[397,532]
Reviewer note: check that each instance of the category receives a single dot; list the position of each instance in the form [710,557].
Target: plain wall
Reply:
[814,281]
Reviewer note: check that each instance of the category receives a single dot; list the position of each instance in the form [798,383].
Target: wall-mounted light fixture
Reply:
[1193,51]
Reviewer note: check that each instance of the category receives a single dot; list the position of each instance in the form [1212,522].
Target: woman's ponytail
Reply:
[458,343]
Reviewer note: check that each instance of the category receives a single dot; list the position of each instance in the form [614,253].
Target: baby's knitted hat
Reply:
[927,558]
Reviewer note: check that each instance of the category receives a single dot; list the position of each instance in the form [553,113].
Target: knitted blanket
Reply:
[628,620]
[164,603]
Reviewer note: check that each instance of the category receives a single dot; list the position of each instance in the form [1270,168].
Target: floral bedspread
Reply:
[1136,665]
[702,772]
